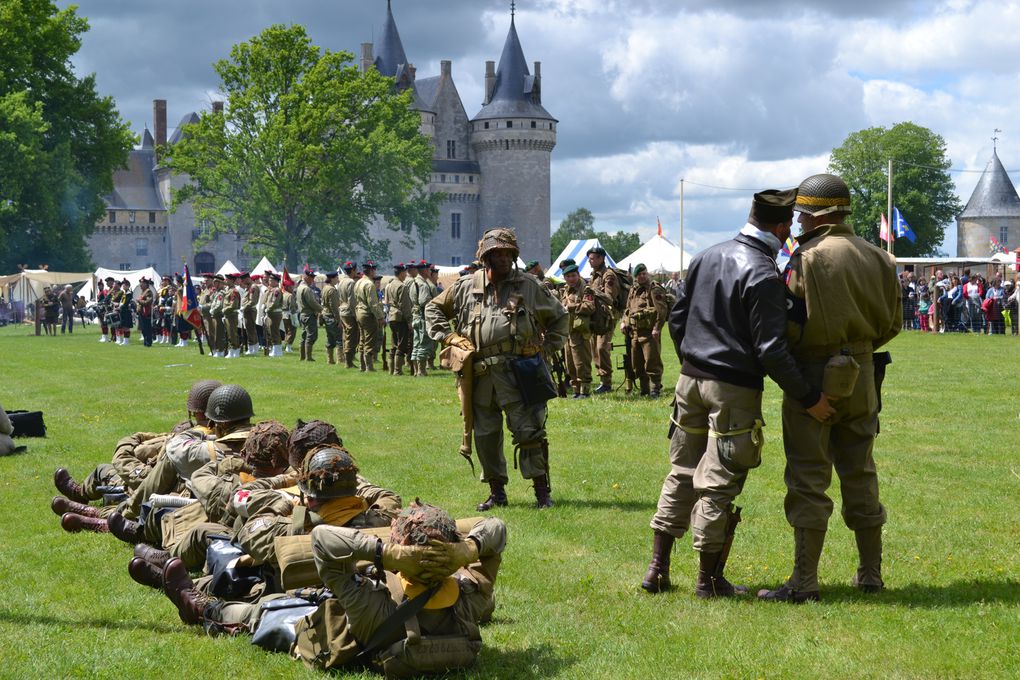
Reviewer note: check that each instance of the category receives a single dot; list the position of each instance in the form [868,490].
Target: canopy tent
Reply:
[660,255]
[228,268]
[134,276]
[577,250]
[27,285]
[264,266]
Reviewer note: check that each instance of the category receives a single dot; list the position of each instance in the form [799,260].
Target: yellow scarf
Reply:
[245,477]
[445,597]
[339,511]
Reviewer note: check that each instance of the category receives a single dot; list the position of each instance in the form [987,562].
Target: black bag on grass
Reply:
[27,423]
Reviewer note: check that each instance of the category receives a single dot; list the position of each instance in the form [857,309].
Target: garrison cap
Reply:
[331,275]
[773,206]
[567,262]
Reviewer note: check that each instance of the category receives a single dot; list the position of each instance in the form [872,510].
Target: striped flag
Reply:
[783,259]
[189,302]
[883,229]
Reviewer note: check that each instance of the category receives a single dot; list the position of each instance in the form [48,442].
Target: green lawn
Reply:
[569,601]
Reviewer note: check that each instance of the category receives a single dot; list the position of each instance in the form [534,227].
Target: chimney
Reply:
[445,67]
[490,81]
[366,57]
[537,89]
[159,120]
[217,107]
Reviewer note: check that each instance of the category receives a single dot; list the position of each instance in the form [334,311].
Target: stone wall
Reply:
[973,236]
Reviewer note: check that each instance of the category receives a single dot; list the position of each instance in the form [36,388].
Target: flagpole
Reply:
[681,226]
[889,208]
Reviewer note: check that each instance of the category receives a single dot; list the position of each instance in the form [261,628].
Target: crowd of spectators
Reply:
[965,303]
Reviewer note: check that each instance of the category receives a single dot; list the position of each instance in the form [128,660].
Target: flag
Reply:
[883,229]
[189,302]
[783,259]
[902,229]
[660,224]
[995,246]
[285,280]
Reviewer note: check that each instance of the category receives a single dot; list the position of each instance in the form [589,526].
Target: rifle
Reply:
[628,363]
[560,373]
[385,365]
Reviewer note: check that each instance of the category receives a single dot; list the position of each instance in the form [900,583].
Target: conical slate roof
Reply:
[512,94]
[994,195]
[390,57]
[147,141]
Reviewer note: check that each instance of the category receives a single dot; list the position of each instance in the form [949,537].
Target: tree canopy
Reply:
[307,152]
[59,139]
[580,224]
[922,188]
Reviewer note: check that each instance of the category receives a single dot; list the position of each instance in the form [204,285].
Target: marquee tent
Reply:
[577,250]
[264,266]
[27,285]
[228,268]
[134,276]
[660,255]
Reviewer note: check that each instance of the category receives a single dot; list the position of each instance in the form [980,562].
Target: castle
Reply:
[993,211]
[492,169]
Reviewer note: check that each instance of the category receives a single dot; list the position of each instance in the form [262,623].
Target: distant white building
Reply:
[993,211]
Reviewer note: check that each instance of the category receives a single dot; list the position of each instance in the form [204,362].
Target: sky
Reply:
[741,94]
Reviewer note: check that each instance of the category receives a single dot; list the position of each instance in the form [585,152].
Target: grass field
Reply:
[568,598]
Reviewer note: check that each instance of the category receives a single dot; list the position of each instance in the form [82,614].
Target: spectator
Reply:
[992,308]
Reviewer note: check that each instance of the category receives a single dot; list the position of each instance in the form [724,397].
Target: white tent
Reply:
[228,268]
[134,276]
[264,266]
[577,250]
[660,255]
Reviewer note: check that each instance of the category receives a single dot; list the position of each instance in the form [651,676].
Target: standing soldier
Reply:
[113,310]
[308,313]
[420,293]
[204,309]
[67,301]
[349,312]
[331,315]
[249,311]
[643,318]
[605,281]
[125,303]
[369,314]
[502,316]
[579,301]
[274,314]
[290,314]
[164,311]
[392,295]
[145,306]
[103,306]
[231,307]
[844,302]
[219,296]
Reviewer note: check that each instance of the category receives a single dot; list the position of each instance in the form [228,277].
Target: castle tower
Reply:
[513,137]
[992,211]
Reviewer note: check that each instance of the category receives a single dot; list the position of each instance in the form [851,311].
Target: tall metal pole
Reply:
[889,208]
[681,225]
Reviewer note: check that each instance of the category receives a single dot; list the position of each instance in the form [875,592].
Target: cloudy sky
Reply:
[746,94]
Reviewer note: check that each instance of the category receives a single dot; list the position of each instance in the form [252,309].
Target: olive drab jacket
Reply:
[579,302]
[307,304]
[366,298]
[391,296]
[646,308]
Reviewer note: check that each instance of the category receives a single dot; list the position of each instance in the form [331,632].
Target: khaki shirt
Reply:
[391,296]
[346,288]
[216,308]
[231,300]
[250,297]
[307,304]
[646,307]
[841,290]
[579,302]
[604,281]
[366,298]
[331,301]
[274,300]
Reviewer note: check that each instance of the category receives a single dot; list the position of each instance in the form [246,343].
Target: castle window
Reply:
[125,266]
[456,179]
[506,144]
[509,123]
[534,125]
[486,125]
[1003,235]
[152,218]
[142,247]
[455,260]
[471,179]
[113,217]
[205,262]
[442,178]
[455,225]
[451,148]
[131,217]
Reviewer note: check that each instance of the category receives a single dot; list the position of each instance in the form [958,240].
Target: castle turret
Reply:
[993,211]
[513,137]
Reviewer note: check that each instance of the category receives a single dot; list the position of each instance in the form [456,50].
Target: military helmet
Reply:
[228,403]
[329,472]
[420,523]
[266,445]
[199,395]
[822,194]
[500,238]
[307,436]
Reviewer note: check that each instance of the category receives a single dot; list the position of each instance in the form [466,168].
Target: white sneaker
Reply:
[277,351]
[183,343]
[127,341]
[289,349]
[102,338]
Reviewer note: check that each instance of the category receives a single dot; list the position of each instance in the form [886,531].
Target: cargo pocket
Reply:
[740,447]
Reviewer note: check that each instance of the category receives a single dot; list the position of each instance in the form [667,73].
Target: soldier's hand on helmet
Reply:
[442,559]
[822,410]
[458,340]
[403,558]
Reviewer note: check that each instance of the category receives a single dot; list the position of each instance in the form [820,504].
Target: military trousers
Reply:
[602,353]
[334,336]
[162,478]
[845,442]
[309,329]
[423,347]
[219,339]
[250,327]
[289,332]
[715,440]
[352,336]
[230,326]
[370,330]
[646,357]
[274,319]
[494,394]
[579,359]
[403,342]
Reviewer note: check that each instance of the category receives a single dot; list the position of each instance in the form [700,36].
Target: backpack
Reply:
[602,319]
[626,282]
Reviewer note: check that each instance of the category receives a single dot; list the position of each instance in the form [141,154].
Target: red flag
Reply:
[286,280]
[883,229]
[660,224]
[189,302]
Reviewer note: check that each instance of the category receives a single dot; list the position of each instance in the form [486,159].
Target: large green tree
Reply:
[307,152]
[59,139]
[922,188]
[580,224]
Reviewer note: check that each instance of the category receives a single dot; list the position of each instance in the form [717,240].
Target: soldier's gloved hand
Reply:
[403,558]
[442,559]
[458,340]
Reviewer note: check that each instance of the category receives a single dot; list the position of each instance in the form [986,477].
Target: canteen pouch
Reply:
[739,449]
[534,381]
[322,639]
[840,375]
[297,564]
[276,629]
[27,423]
[229,580]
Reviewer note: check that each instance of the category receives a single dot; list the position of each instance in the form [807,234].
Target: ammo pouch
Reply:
[880,361]
[840,375]
[415,654]
[534,381]
[276,630]
[27,423]
[229,580]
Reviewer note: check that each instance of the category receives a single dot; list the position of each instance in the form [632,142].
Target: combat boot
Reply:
[657,577]
[66,485]
[61,506]
[711,582]
[542,491]
[125,529]
[180,589]
[643,386]
[604,388]
[146,573]
[802,586]
[73,523]
[302,351]
[361,361]
[869,548]
[497,496]
[370,363]
[152,555]
[423,368]
[398,364]
[330,355]
[308,352]
[656,391]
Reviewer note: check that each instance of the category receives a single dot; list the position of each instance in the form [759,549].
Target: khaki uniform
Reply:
[219,339]
[349,318]
[478,310]
[843,294]
[331,315]
[579,301]
[420,292]
[231,305]
[604,281]
[204,309]
[274,315]
[646,311]
[289,317]
[370,319]
[249,310]
[400,348]
[135,455]
[308,314]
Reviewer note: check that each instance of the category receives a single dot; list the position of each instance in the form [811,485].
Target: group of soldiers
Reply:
[53,306]
[293,544]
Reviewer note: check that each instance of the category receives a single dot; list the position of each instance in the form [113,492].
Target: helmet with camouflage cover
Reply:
[329,472]
[228,403]
[500,238]
[198,396]
[420,523]
[822,194]
[266,446]
[308,436]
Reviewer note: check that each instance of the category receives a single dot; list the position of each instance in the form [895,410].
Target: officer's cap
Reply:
[773,206]
[369,264]
[399,267]
[349,266]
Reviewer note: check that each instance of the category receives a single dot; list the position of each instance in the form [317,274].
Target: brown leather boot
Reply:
[711,582]
[802,586]
[302,351]
[146,573]
[66,485]
[152,555]
[309,356]
[126,529]
[330,355]
[656,579]
[542,491]
[62,505]
[497,496]
[181,590]
[73,523]
[869,548]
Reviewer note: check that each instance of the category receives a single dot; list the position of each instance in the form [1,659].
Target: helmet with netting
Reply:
[228,403]
[198,396]
[420,523]
[308,436]
[822,194]
[500,238]
[266,446]
[329,472]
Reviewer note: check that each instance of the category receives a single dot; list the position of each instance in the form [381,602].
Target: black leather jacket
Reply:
[729,320]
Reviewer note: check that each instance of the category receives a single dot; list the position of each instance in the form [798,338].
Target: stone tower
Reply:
[992,211]
[512,138]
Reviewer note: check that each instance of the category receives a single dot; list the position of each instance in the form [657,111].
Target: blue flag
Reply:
[900,227]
